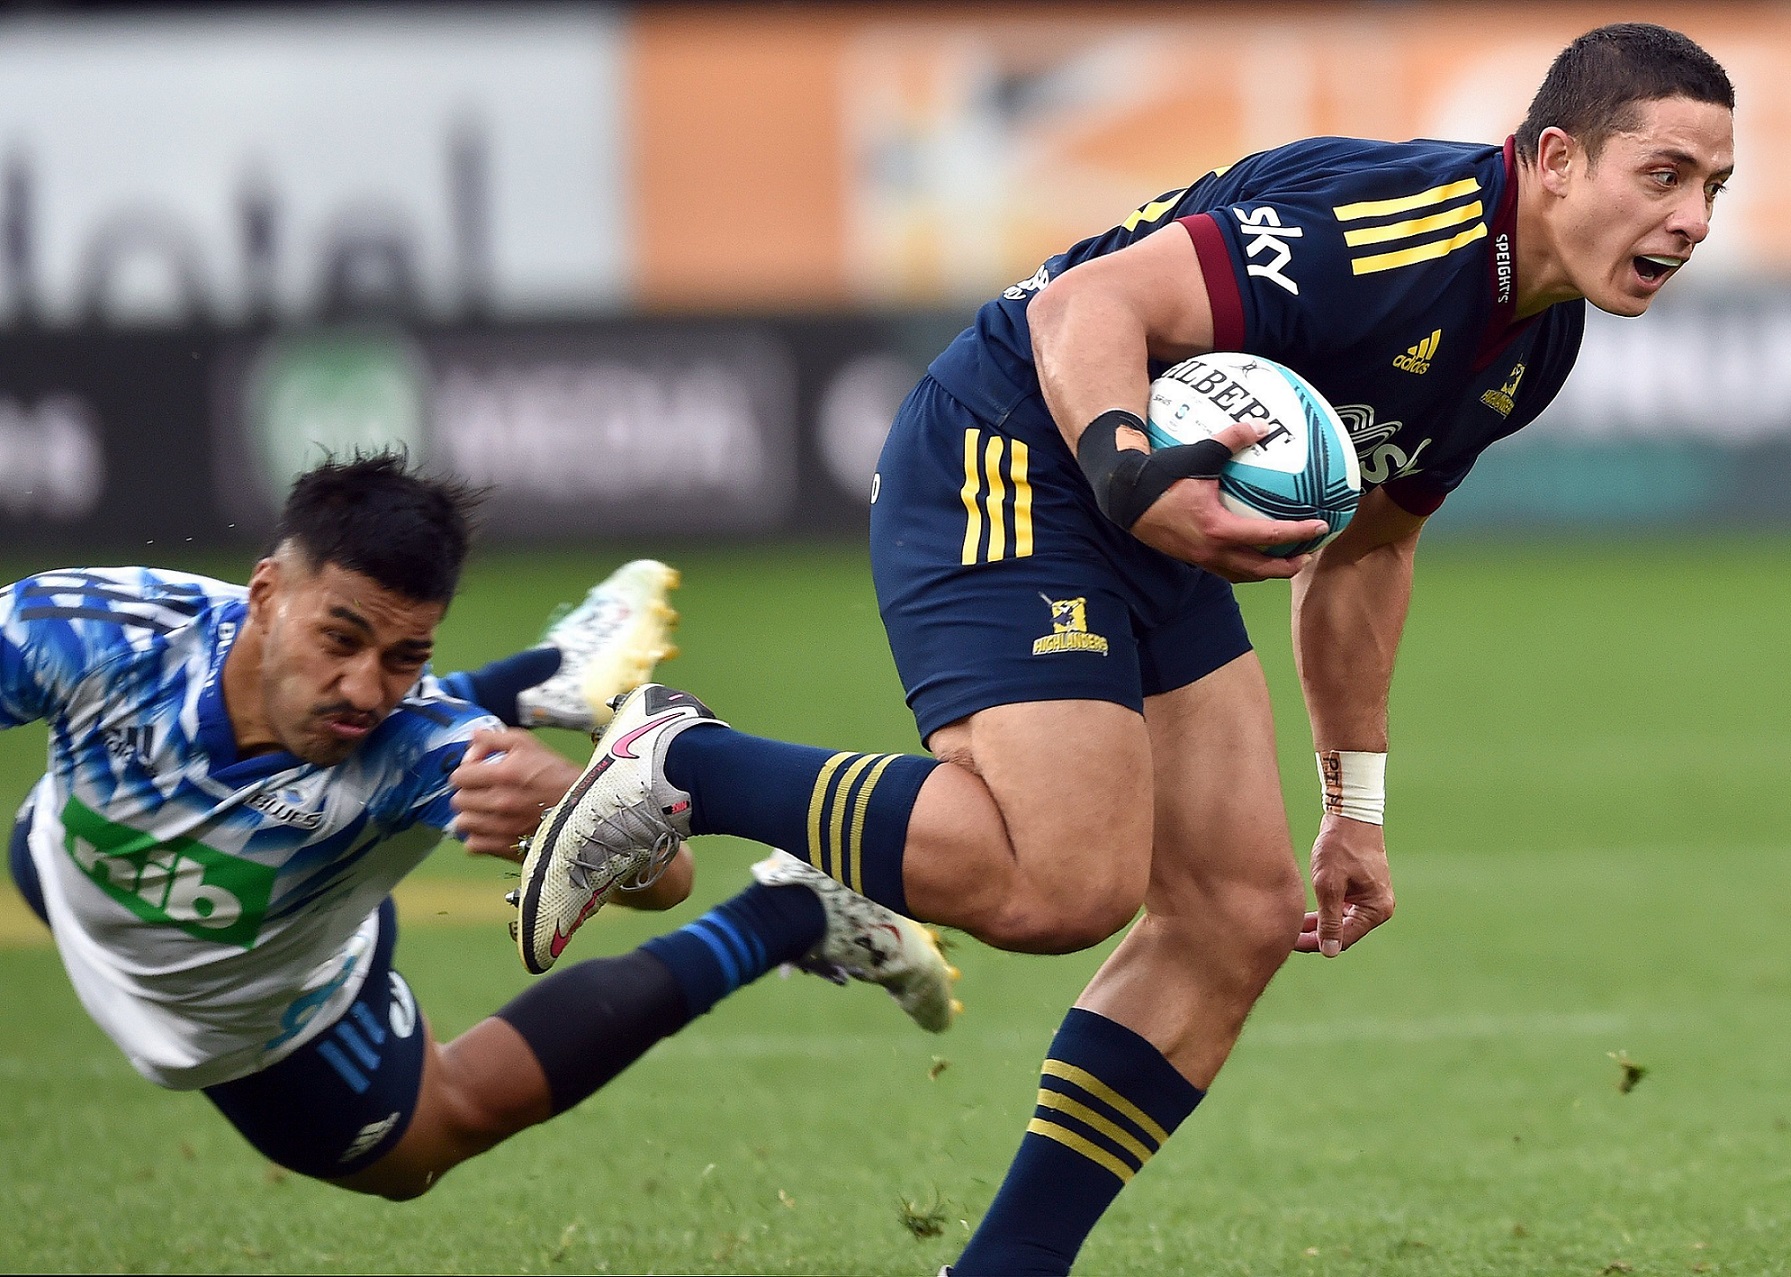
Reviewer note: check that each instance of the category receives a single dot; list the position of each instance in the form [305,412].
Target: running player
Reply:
[1057,602]
[238,778]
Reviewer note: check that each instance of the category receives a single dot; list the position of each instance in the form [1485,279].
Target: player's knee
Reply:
[1065,922]
[1263,919]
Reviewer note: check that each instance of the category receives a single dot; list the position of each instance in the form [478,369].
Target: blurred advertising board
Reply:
[101,439]
[228,165]
[754,426]
[603,428]
[906,155]
[234,166]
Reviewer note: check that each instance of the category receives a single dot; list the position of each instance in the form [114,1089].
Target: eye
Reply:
[1666,176]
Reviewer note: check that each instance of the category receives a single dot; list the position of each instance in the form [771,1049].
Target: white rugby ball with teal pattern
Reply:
[1305,468]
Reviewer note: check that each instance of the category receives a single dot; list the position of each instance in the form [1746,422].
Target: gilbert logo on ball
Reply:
[1303,468]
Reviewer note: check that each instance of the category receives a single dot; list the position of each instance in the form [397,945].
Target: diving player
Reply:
[1057,602]
[238,778]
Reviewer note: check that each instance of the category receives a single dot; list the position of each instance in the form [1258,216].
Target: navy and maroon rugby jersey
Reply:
[1382,272]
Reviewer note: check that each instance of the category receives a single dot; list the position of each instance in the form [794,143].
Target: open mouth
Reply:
[1654,267]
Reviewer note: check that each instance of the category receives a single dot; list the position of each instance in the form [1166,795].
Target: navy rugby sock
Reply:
[845,814]
[740,940]
[588,1022]
[1107,1101]
[494,687]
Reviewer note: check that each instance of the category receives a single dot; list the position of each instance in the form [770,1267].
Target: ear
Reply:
[264,587]
[1558,155]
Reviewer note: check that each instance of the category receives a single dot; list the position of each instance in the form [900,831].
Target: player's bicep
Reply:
[31,655]
[1156,283]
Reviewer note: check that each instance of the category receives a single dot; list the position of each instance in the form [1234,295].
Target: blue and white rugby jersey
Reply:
[214,913]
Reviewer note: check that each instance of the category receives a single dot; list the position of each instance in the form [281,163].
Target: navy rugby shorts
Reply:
[1000,581]
[344,1099]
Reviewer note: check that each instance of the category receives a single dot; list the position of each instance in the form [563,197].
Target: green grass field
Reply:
[1589,834]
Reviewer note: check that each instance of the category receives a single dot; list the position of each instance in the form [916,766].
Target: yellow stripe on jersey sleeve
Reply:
[1151,211]
[1375,262]
[1416,226]
[1406,203]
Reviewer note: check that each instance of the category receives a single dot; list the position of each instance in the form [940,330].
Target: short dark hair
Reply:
[1592,90]
[374,515]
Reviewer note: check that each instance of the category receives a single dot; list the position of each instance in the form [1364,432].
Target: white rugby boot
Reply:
[865,941]
[609,644]
[616,829]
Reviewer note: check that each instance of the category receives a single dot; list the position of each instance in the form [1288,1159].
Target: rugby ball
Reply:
[1304,468]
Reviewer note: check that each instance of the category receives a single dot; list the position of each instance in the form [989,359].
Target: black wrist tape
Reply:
[1126,483]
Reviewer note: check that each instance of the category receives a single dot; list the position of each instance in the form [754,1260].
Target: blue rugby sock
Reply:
[845,814]
[494,687]
[738,941]
[1107,1101]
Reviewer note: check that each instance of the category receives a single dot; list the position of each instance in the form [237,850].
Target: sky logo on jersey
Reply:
[1417,358]
[1501,400]
[1069,629]
[1267,236]
[177,883]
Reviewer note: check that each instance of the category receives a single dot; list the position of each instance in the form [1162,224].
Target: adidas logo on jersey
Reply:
[132,744]
[1417,358]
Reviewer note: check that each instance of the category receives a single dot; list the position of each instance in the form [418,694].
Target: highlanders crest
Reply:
[1069,629]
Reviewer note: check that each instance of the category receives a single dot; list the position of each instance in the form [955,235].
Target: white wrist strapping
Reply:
[1355,784]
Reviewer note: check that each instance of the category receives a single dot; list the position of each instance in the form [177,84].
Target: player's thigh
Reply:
[1222,848]
[346,1097]
[1072,781]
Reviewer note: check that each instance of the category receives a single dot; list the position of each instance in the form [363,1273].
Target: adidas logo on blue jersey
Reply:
[1417,358]
[132,744]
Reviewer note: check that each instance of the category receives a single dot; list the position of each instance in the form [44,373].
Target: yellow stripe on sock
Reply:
[816,852]
[1022,501]
[1422,253]
[1101,1091]
[997,495]
[1417,226]
[1093,1152]
[1405,203]
[1088,1117]
[837,823]
[973,522]
[855,837]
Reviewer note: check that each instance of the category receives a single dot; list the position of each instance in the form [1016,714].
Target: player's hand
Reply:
[1190,523]
[503,784]
[1352,883]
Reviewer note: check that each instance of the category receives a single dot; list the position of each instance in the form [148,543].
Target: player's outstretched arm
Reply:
[1094,329]
[1349,609]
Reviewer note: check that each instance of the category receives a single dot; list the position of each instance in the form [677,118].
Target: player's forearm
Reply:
[1096,326]
[1089,348]
[1349,610]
